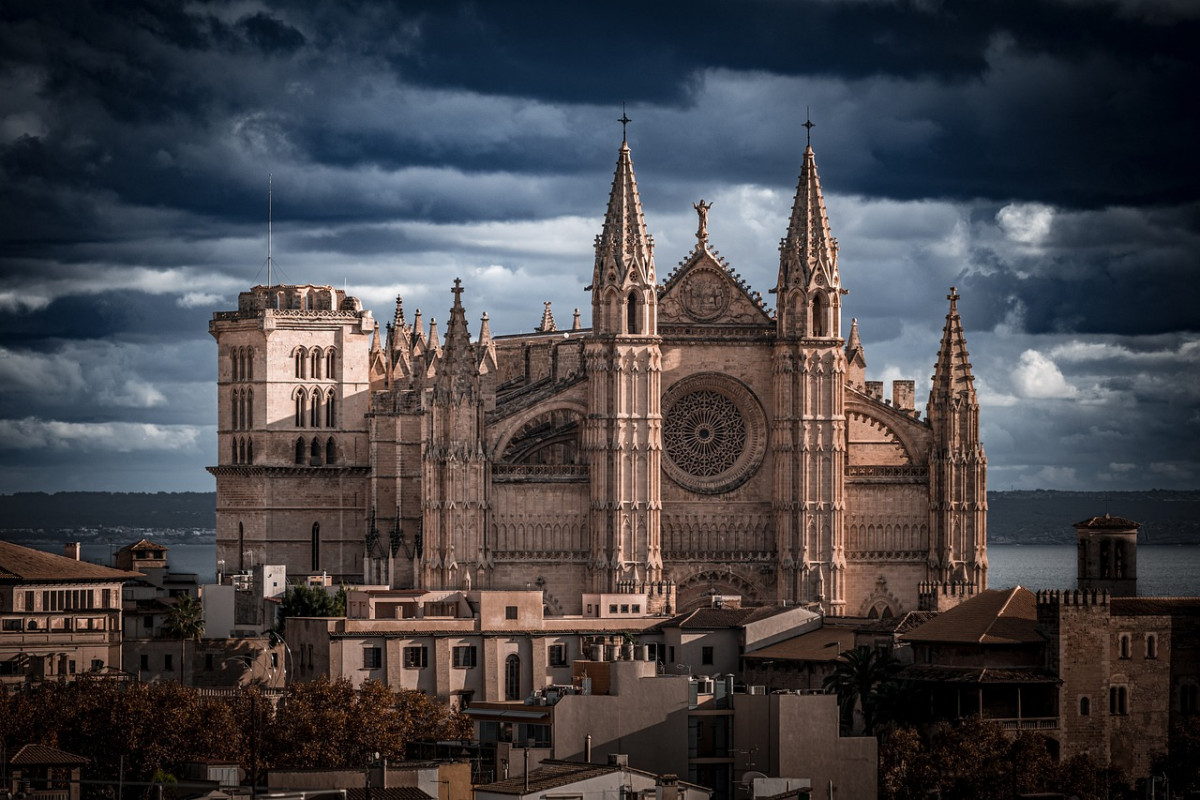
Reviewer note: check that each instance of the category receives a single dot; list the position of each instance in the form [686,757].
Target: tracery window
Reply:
[301,447]
[705,433]
[316,362]
[300,363]
[330,415]
[330,451]
[315,410]
[248,410]
[512,678]
[300,408]
[330,362]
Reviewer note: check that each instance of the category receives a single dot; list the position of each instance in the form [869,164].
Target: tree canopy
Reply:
[311,601]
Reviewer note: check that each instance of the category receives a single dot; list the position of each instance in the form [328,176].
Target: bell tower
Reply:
[623,432]
[809,374]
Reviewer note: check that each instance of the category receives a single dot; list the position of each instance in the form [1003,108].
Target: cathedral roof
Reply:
[994,616]
[809,245]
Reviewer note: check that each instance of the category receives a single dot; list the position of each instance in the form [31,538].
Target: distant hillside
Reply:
[1028,517]
[72,510]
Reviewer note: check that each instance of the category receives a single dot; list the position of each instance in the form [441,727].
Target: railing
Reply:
[539,470]
[1029,724]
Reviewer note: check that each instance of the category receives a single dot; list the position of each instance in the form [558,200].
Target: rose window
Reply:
[704,434]
[714,433]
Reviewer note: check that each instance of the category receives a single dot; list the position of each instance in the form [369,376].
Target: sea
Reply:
[1163,570]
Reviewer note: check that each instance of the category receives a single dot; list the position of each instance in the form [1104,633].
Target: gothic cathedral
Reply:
[690,442]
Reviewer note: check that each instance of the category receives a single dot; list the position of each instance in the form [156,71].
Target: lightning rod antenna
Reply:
[270,215]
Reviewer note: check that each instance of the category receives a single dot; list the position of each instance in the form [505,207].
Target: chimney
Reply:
[72,550]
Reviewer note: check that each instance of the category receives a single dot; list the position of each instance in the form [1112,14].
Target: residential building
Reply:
[59,616]
[41,772]
[584,781]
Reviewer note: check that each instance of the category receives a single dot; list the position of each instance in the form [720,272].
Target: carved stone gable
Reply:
[702,291]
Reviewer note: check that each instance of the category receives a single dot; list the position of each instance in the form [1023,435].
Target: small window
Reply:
[1123,645]
[510,612]
[1118,701]
[624,608]
[1085,706]
[12,625]
[706,655]
[671,654]
[144,662]
[168,663]
[636,608]
[208,662]
[372,658]
[1151,646]
[1189,699]
[97,665]
[557,655]
[416,657]
[612,609]
[464,656]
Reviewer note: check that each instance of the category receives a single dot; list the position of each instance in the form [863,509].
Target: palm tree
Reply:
[863,677]
[184,621]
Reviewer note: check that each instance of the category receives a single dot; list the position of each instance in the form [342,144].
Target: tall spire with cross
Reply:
[809,246]
[624,266]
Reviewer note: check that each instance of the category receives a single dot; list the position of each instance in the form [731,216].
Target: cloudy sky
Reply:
[1041,156]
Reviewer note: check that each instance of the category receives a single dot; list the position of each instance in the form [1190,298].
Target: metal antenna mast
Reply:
[270,214]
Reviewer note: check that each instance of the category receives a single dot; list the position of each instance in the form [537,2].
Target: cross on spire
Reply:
[809,125]
[624,120]
[458,290]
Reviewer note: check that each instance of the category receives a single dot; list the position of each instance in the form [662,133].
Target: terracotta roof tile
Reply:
[549,776]
[994,616]
[39,755]
[924,673]
[1154,606]
[811,646]
[391,793]
[19,563]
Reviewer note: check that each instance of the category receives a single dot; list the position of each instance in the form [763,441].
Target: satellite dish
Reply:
[751,776]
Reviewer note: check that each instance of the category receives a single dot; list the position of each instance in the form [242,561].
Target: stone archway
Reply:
[698,589]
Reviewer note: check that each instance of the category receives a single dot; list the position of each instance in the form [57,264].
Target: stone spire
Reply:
[576,325]
[547,325]
[624,251]
[952,378]
[809,246]
[457,366]
[434,342]
[485,330]
[856,361]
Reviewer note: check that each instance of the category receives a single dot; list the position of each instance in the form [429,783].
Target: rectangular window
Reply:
[71,667]
[372,657]
[671,654]
[208,662]
[416,657]
[144,661]
[12,625]
[706,655]
[510,612]
[637,608]
[464,656]
[29,601]
[97,664]
[558,655]
[612,609]
[168,662]
[624,608]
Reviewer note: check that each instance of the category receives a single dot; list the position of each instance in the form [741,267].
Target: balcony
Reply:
[1029,723]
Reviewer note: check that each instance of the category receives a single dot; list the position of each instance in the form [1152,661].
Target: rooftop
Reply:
[994,616]
[19,563]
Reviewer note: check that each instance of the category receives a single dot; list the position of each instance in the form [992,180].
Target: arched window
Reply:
[314,412]
[248,414]
[1118,700]
[512,678]
[330,413]
[316,362]
[1085,706]
[300,363]
[818,316]
[1124,645]
[314,453]
[301,447]
[316,546]
[234,409]
[242,451]
[233,454]
[330,363]
[330,451]
[632,317]
[248,364]
[249,451]
[300,396]
[235,365]
[1151,646]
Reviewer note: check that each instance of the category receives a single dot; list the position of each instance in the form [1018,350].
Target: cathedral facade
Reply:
[691,442]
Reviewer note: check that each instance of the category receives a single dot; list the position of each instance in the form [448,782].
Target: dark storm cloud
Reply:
[1038,155]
